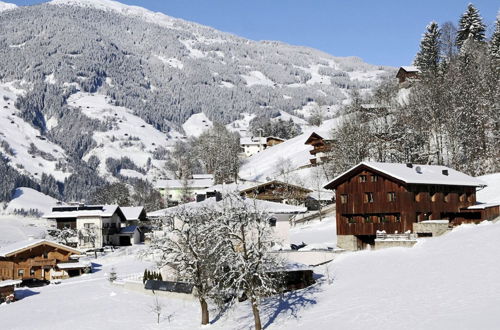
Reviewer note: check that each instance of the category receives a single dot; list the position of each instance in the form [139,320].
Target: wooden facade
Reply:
[38,260]
[321,147]
[368,200]
[277,191]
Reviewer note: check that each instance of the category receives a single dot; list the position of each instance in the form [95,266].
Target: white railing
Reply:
[381,235]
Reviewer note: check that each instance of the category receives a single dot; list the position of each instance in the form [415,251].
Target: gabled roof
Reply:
[416,174]
[409,68]
[5,283]
[274,182]
[104,211]
[21,246]
[133,212]
[266,206]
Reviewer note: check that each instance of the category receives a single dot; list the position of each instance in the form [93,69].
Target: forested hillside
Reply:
[161,69]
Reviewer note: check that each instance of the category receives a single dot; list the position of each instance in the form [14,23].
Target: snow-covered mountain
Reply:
[6,6]
[86,81]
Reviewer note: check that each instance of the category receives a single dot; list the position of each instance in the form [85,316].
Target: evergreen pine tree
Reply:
[145,276]
[494,47]
[427,58]
[470,26]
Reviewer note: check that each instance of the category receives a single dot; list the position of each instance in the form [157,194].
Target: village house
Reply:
[395,198]
[96,225]
[176,191]
[321,146]
[407,73]
[279,214]
[40,259]
[253,145]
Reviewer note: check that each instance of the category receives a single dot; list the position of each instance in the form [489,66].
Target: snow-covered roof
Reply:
[17,247]
[416,174]
[266,206]
[132,212]
[271,182]
[436,221]
[253,140]
[203,176]
[178,184]
[104,211]
[9,283]
[483,206]
[410,68]
[74,265]
[323,195]
[231,187]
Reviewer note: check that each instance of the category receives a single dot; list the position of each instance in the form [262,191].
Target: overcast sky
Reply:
[383,32]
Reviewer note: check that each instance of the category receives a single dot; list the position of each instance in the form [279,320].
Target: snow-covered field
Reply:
[316,234]
[450,282]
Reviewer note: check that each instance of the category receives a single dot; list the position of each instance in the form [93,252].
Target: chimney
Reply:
[409,165]
[445,172]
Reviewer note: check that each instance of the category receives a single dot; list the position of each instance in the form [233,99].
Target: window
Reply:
[343,199]
[470,197]
[374,178]
[462,197]
[368,197]
[87,225]
[272,222]
[398,218]
[32,271]
[351,219]
[20,272]
[434,197]
[362,178]
[391,196]
[113,225]
[447,198]
[106,225]
[418,197]
[368,219]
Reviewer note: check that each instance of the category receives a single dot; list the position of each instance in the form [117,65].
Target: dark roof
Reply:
[168,286]
[128,230]
[274,182]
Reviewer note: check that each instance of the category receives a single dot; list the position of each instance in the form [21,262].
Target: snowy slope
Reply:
[316,234]
[196,124]
[19,135]
[128,136]
[30,199]
[6,6]
[14,229]
[290,154]
[490,194]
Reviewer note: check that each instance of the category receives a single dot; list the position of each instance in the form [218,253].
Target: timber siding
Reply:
[368,200]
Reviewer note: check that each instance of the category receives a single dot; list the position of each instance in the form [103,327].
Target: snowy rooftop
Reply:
[9,282]
[103,211]
[132,212]
[483,206]
[253,140]
[74,265]
[231,187]
[417,174]
[410,68]
[5,251]
[177,184]
[270,207]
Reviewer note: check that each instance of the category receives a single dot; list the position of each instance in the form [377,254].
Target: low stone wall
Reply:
[384,244]
[429,227]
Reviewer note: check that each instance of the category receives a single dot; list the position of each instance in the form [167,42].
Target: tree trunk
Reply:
[204,311]
[256,315]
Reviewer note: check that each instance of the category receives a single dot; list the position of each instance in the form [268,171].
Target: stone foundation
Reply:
[383,244]
[431,228]
[347,242]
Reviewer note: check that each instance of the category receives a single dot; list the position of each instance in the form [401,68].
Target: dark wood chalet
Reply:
[40,259]
[320,145]
[391,197]
[277,191]
[407,73]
